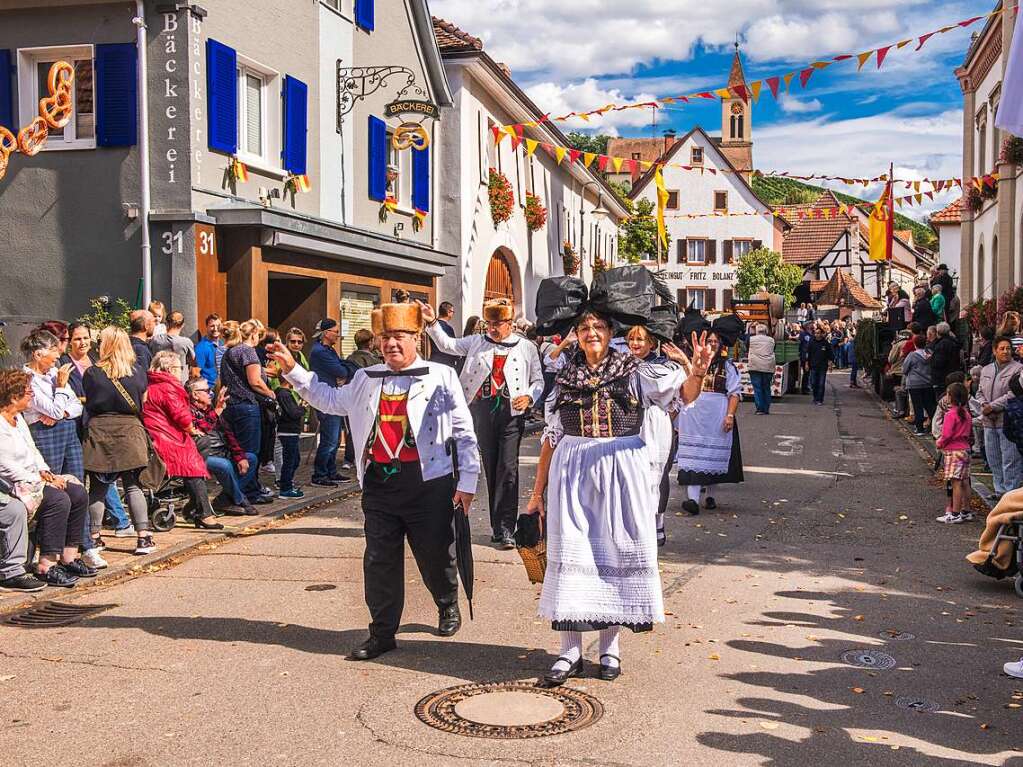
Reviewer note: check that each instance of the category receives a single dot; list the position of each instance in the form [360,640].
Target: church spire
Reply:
[736,76]
[737,120]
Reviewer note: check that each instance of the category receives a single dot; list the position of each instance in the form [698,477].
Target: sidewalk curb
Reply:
[927,446]
[179,552]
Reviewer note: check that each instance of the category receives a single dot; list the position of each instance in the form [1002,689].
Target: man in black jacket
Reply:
[819,357]
[946,357]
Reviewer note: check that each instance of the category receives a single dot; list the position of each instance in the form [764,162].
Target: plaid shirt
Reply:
[209,420]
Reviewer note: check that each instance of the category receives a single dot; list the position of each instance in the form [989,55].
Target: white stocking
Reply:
[693,491]
[571,650]
[609,646]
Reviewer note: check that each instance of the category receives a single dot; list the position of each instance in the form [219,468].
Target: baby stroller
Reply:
[1012,532]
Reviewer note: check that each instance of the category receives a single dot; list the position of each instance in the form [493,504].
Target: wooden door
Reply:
[499,279]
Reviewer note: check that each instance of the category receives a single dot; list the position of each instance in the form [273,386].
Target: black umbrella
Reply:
[463,537]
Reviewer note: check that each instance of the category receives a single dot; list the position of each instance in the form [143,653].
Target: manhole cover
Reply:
[321,587]
[508,710]
[918,704]
[52,614]
[896,636]
[872,659]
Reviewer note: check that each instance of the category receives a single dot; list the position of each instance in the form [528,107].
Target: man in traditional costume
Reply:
[403,413]
[595,468]
[708,435]
[502,379]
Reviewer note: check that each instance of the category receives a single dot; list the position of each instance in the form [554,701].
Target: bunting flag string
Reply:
[752,90]
[635,167]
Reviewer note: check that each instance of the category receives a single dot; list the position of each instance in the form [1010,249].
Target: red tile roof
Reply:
[736,76]
[843,290]
[451,38]
[952,214]
[813,238]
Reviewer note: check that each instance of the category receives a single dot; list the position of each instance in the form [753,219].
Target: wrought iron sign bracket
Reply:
[357,83]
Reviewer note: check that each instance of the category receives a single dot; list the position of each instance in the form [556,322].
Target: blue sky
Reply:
[579,54]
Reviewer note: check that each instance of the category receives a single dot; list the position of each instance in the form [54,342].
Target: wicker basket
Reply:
[535,560]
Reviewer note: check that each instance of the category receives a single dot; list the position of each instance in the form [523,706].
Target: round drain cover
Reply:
[508,710]
[872,659]
[896,636]
[321,587]
[918,704]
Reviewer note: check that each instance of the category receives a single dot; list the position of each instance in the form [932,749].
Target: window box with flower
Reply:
[536,213]
[502,198]
[569,259]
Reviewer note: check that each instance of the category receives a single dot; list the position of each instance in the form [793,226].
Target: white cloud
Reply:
[791,105]
[587,95]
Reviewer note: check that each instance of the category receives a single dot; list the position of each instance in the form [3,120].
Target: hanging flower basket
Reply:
[973,199]
[536,213]
[1012,150]
[569,259]
[989,189]
[599,265]
[502,199]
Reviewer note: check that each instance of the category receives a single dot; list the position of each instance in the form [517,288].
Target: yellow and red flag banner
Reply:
[238,170]
[882,227]
[662,204]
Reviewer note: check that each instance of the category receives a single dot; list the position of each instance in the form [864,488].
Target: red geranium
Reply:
[536,213]
[502,198]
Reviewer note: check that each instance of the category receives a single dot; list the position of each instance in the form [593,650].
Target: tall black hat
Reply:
[728,328]
[625,295]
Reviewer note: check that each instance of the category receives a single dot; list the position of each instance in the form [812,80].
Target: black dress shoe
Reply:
[691,506]
[710,503]
[208,523]
[610,673]
[450,621]
[557,678]
[372,648]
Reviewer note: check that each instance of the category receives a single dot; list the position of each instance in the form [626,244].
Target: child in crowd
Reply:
[289,430]
[939,420]
[954,443]
[937,302]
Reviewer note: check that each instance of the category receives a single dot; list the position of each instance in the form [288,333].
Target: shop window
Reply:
[33,84]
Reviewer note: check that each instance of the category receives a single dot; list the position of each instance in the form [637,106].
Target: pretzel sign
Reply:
[55,112]
[410,136]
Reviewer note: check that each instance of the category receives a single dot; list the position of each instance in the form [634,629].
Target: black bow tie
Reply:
[410,372]
[505,344]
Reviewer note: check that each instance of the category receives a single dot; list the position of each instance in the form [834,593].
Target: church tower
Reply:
[737,122]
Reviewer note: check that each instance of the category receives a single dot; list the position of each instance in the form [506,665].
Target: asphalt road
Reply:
[828,547]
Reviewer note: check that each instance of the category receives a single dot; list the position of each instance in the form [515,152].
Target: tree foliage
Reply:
[763,269]
[104,312]
[585,142]
[637,237]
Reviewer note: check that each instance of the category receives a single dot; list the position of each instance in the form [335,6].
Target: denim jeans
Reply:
[325,464]
[818,380]
[290,459]
[245,420]
[924,405]
[761,389]
[116,509]
[226,472]
[853,364]
[1004,459]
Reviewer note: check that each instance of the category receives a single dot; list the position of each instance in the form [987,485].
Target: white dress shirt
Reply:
[437,411]
[50,400]
[20,460]
[522,371]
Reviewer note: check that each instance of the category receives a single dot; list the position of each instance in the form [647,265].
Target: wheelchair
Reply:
[1012,532]
[165,503]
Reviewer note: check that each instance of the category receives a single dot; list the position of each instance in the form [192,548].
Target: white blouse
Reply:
[50,400]
[20,460]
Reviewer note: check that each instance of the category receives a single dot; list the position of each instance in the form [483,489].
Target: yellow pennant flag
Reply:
[662,203]
[510,130]
[645,164]
[499,136]
[588,158]
[821,64]
[559,153]
[862,59]
[755,87]
[531,145]
[617,162]
[788,79]
[723,93]
[903,44]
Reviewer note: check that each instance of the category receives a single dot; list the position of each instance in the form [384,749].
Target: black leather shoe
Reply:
[710,503]
[450,621]
[207,524]
[691,506]
[372,648]
[557,678]
[610,673]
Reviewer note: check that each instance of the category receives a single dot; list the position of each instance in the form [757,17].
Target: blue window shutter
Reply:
[364,15]
[296,101]
[421,179]
[6,91]
[116,95]
[222,99]
[377,158]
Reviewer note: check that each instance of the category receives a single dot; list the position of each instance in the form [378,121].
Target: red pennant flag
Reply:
[496,130]
[574,154]
[967,23]
[602,162]
[517,138]
[843,57]
[706,95]
[930,195]
[633,167]
[923,39]
[804,76]
[881,53]
[773,83]
[684,99]
[740,92]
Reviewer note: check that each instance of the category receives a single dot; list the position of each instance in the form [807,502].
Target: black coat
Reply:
[819,353]
[946,357]
[923,315]
[947,287]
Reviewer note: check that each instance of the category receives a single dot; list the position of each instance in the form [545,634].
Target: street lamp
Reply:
[598,212]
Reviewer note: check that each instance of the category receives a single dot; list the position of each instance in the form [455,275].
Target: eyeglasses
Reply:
[200,391]
[593,328]
[498,323]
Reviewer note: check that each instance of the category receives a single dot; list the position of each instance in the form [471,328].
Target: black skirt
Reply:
[599,626]
[733,476]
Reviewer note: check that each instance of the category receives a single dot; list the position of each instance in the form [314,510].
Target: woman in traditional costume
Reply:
[708,437]
[596,469]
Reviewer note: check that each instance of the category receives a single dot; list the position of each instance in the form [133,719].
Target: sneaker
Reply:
[97,544]
[144,545]
[948,518]
[266,492]
[323,482]
[261,500]
[79,568]
[58,576]
[92,559]
[126,532]
[341,478]
[346,466]
[1014,669]
[293,493]
[919,433]
[507,543]
[967,516]
[25,583]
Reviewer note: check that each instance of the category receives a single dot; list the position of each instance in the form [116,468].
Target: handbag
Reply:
[531,543]
[154,474]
